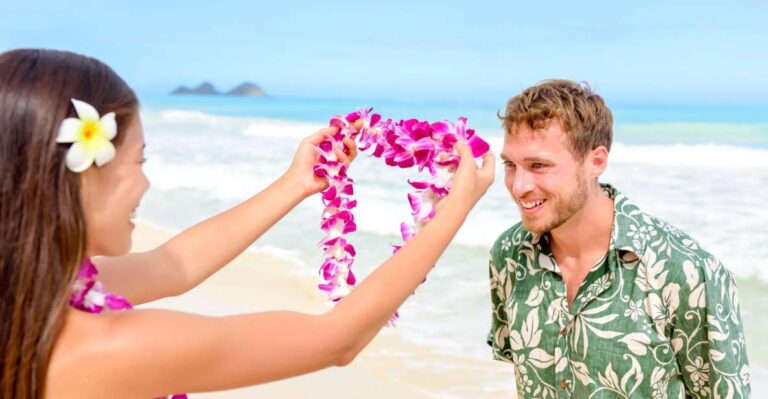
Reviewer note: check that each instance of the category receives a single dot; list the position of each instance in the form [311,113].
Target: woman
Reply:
[60,207]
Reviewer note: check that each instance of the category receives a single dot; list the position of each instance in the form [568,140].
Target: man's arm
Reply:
[501,286]
[708,337]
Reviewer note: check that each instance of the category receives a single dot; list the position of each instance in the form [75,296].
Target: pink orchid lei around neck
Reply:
[403,144]
[89,295]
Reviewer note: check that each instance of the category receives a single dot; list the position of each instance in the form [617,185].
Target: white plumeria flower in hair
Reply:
[91,137]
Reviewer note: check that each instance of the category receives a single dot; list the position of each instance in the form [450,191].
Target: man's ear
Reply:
[597,161]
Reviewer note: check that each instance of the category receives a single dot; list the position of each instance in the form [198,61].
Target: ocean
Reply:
[704,169]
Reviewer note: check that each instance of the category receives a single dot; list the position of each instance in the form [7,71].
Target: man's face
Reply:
[546,181]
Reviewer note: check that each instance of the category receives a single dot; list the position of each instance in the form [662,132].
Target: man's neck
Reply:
[587,234]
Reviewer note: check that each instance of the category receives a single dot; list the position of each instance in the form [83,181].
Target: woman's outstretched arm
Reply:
[195,254]
[148,353]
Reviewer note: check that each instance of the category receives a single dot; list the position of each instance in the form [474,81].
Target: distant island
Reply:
[245,89]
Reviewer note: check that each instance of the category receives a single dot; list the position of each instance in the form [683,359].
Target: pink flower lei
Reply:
[89,295]
[403,144]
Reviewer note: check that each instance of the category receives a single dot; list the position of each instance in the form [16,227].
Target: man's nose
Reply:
[522,183]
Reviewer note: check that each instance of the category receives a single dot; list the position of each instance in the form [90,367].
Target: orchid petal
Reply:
[441,127]
[419,185]
[117,303]
[352,117]
[319,171]
[404,141]
[337,122]
[407,163]
[478,146]
[403,156]
[329,194]
[326,146]
[407,231]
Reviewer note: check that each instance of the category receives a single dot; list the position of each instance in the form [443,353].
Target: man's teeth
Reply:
[531,205]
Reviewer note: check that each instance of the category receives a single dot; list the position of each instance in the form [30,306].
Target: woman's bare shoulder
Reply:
[101,354]
[150,353]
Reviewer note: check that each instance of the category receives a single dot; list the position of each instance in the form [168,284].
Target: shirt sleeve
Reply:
[708,337]
[498,336]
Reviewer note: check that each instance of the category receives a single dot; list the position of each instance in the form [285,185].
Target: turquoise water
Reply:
[634,124]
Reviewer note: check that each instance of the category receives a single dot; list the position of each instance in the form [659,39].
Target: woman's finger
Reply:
[350,148]
[341,156]
[488,169]
[317,137]
[467,161]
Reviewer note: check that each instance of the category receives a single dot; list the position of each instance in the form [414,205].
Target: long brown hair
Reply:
[42,228]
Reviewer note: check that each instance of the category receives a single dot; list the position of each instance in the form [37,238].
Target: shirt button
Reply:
[564,331]
[558,277]
[564,384]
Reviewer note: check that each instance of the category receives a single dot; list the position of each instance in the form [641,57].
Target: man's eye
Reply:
[143,160]
[537,165]
[509,164]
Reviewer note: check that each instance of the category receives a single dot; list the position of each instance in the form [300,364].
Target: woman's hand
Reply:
[301,171]
[470,183]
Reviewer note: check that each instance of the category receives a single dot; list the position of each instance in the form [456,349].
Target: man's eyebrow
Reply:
[526,159]
[535,159]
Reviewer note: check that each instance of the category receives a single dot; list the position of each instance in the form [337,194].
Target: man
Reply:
[591,296]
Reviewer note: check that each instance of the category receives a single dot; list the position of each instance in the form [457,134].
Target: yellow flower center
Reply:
[89,129]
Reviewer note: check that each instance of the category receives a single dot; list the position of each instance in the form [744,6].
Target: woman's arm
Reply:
[198,252]
[149,353]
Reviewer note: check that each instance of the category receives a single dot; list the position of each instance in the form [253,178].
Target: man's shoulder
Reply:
[681,242]
[680,252]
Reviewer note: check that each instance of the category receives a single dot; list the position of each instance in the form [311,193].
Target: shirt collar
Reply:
[627,219]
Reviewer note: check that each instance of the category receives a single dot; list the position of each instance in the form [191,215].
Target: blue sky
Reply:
[632,52]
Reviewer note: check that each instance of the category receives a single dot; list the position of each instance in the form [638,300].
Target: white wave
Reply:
[715,156]
[249,126]
[219,180]
[704,155]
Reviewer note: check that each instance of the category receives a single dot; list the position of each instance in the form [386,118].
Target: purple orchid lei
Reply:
[403,144]
[89,295]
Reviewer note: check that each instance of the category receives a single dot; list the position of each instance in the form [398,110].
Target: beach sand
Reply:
[389,367]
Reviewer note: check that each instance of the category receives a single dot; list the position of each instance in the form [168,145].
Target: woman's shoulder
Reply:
[100,354]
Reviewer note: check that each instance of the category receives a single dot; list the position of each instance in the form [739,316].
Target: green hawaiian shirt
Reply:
[658,318]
